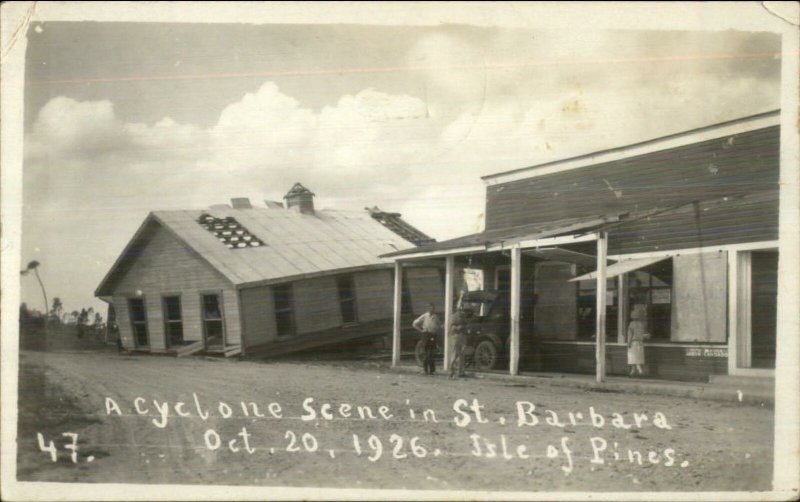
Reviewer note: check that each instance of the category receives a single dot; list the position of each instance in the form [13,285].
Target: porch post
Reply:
[516,266]
[622,308]
[733,307]
[398,298]
[600,333]
[448,307]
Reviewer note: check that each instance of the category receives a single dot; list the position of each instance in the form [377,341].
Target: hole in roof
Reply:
[229,232]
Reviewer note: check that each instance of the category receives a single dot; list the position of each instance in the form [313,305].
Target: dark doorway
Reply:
[504,280]
[764,300]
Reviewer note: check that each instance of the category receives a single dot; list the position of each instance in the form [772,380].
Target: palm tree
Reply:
[34,265]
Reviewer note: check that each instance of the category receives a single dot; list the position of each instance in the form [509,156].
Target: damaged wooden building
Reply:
[243,280]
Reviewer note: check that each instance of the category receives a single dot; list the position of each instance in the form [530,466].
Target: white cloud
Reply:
[422,158]
[64,124]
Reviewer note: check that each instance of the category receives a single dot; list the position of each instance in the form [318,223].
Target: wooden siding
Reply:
[316,305]
[317,310]
[341,336]
[258,316]
[753,218]
[699,297]
[165,267]
[426,286]
[712,169]
[374,294]
[555,312]
[123,321]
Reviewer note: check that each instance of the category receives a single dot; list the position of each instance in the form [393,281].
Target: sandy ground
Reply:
[711,445]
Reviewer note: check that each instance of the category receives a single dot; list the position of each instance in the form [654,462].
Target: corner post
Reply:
[448,308]
[398,298]
[516,267]
[622,308]
[733,308]
[600,332]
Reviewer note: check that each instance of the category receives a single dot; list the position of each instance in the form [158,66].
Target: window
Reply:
[173,322]
[587,308]
[212,321]
[347,298]
[138,322]
[652,287]
[284,309]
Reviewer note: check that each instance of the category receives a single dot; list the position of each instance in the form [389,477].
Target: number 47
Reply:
[51,447]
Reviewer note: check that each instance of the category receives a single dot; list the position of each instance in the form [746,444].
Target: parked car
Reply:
[487,315]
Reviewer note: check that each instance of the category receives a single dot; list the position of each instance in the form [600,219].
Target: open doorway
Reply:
[763,305]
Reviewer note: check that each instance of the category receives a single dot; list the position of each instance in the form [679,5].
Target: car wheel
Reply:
[419,352]
[485,356]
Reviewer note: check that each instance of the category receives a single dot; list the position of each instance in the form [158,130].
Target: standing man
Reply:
[458,330]
[429,325]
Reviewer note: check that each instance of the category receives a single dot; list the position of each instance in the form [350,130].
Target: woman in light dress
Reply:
[637,334]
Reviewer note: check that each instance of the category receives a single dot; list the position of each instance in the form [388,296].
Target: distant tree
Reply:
[24,318]
[31,328]
[57,309]
[112,330]
[82,320]
[98,326]
[73,316]
[24,313]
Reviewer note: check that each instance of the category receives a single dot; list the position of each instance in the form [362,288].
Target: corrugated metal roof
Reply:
[295,244]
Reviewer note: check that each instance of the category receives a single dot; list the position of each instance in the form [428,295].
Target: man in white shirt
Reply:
[429,325]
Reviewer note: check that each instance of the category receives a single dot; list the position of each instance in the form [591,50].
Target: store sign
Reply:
[661,296]
[698,352]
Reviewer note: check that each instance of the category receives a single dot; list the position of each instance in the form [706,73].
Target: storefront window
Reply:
[587,308]
[652,287]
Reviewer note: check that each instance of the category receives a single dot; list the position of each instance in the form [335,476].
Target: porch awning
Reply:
[507,236]
[564,255]
[621,268]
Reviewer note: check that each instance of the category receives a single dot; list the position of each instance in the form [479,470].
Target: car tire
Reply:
[419,352]
[485,356]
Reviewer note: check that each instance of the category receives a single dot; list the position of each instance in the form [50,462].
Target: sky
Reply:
[125,118]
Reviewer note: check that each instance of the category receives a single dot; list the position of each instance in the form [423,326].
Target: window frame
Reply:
[168,322]
[204,320]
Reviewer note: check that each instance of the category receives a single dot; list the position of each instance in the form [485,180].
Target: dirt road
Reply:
[503,436]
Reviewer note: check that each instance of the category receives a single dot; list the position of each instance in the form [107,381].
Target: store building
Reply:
[686,226]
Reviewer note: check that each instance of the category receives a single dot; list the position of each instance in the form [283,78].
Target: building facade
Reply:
[683,227]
